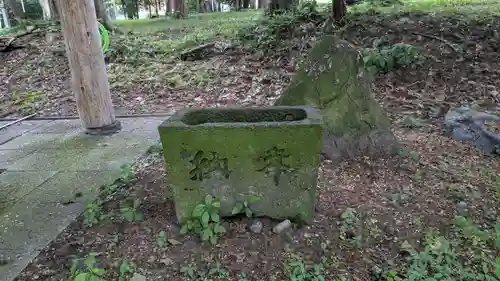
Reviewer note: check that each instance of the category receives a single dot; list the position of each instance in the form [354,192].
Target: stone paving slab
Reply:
[44,164]
[59,126]
[20,128]
[7,157]
[16,185]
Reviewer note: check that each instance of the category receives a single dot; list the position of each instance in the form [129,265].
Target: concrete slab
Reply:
[60,126]
[16,185]
[32,226]
[49,163]
[108,153]
[64,186]
[20,128]
[142,124]
[7,157]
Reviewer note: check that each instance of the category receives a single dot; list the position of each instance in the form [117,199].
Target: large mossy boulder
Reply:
[333,79]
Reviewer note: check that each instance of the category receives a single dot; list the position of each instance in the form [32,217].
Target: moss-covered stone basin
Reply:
[272,153]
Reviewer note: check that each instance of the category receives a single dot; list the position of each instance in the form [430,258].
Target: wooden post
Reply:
[88,70]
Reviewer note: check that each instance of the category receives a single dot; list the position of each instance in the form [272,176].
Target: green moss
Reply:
[333,80]
[276,161]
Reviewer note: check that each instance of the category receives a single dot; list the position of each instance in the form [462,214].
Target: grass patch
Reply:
[470,8]
[204,20]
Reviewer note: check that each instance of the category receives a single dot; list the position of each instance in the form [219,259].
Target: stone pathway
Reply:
[44,164]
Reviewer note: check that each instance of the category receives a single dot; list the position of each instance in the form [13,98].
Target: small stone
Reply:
[462,209]
[173,242]
[494,93]
[151,259]
[167,261]
[256,227]
[282,226]
[138,277]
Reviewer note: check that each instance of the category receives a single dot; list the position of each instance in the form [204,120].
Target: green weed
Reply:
[382,58]
[205,221]
[132,212]
[189,270]
[125,270]
[296,269]
[218,271]
[162,239]
[93,213]
[466,255]
[245,206]
[90,271]
[350,225]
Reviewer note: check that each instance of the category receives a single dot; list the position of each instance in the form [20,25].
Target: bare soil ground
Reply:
[396,200]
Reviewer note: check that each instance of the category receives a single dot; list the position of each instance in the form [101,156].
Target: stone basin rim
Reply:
[312,116]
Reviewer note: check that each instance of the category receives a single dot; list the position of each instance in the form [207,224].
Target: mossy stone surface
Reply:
[333,79]
[272,153]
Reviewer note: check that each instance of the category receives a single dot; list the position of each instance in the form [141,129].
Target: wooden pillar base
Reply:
[111,129]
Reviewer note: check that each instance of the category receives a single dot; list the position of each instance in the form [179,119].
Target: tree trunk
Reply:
[167,7]
[103,16]
[181,8]
[339,10]
[16,8]
[246,4]
[172,6]
[88,71]
[49,9]
[130,9]
[5,16]
[333,80]
[280,4]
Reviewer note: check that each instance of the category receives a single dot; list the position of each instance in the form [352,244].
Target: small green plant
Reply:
[127,173]
[243,277]
[93,213]
[132,213]
[188,270]
[392,276]
[465,256]
[245,206]
[31,101]
[296,269]
[386,58]
[205,220]
[349,226]
[218,270]
[109,189]
[89,273]
[125,270]
[162,239]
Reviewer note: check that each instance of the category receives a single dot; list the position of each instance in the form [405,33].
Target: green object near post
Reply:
[104,37]
[272,153]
